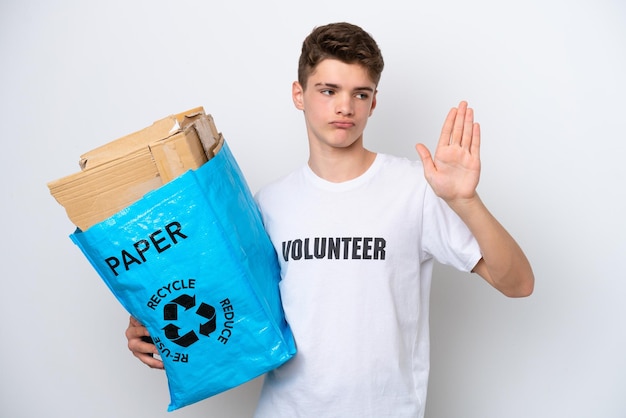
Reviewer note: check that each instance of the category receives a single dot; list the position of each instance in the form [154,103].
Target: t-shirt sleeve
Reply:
[445,235]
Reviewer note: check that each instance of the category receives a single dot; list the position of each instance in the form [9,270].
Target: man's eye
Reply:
[327,92]
[362,96]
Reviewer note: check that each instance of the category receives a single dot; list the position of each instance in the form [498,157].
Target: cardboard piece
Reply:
[119,173]
[135,141]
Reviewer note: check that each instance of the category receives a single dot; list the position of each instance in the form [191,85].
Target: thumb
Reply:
[426,157]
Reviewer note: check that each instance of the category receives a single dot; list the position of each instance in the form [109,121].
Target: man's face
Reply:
[337,103]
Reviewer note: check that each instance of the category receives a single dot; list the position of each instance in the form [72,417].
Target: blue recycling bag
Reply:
[193,263]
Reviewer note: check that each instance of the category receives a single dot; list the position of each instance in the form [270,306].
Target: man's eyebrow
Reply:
[336,86]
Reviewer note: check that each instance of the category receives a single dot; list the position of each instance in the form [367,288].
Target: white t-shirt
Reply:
[356,263]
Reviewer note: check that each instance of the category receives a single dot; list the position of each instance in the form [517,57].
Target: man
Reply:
[356,235]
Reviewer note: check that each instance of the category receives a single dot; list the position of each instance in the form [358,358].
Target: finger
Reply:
[142,349]
[148,360]
[424,153]
[141,344]
[459,123]
[427,160]
[133,322]
[475,147]
[446,130]
[468,128]
[139,340]
[137,331]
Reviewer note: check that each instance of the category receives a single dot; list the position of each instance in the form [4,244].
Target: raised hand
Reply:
[454,171]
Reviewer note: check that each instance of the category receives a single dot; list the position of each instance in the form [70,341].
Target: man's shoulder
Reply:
[399,165]
[279,185]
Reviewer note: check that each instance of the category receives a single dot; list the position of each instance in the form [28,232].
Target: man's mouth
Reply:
[342,124]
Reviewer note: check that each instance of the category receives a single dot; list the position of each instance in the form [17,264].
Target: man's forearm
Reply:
[504,264]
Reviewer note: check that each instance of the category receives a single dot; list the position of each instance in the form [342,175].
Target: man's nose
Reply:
[345,105]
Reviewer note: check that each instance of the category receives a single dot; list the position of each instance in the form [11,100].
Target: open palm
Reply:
[454,171]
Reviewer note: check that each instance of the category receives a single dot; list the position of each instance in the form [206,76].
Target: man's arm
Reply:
[503,264]
[454,174]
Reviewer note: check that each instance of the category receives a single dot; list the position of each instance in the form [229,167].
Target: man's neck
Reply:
[339,165]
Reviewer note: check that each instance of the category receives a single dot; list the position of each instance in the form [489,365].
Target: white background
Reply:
[546,78]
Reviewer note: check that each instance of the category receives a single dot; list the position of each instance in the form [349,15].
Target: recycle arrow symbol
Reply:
[171,332]
[208,312]
[170,311]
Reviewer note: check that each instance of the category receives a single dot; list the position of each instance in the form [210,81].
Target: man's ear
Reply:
[297,93]
[373,103]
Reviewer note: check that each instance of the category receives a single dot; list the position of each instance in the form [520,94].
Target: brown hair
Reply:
[342,41]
